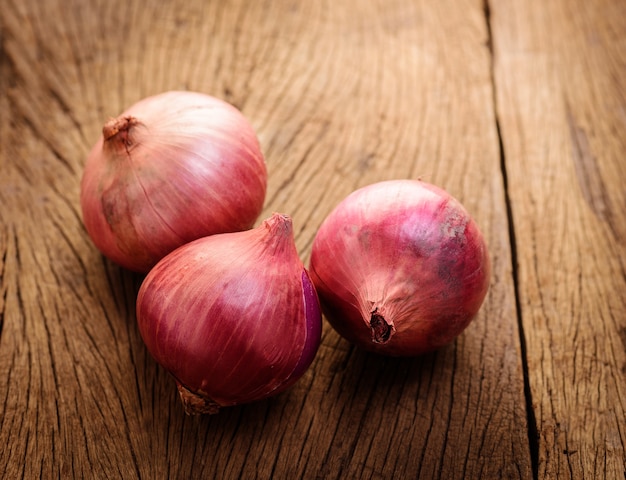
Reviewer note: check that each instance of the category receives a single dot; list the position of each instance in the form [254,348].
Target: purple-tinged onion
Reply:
[172,168]
[233,317]
[400,268]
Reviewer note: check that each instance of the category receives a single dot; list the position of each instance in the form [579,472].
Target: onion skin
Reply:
[233,317]
[172,168]
[400,267]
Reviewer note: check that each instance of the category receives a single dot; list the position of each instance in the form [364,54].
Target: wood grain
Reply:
[561,100]
[516,108]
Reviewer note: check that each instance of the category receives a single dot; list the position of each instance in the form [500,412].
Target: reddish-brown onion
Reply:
[400,268]
[172,168]
[233,317]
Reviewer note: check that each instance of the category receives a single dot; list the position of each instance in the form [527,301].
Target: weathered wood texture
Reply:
[561,100]
[342,94]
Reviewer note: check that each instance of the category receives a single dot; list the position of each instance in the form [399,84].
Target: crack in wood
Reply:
[533,431]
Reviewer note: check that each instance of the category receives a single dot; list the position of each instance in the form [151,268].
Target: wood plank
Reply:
[560,70]
[342,93]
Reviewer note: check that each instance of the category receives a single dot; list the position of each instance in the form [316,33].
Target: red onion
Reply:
[172,168]
[233,317]
[400,268]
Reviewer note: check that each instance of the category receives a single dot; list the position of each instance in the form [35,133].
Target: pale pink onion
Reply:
[172,168]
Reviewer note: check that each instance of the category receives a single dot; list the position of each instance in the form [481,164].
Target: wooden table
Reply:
[518,108]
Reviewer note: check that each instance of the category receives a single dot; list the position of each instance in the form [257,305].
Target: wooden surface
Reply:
[518,108]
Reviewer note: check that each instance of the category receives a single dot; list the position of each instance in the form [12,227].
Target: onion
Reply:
[233,317]
[400,268]
[172,168]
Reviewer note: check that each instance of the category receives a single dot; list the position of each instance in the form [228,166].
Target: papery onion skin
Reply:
[233,317]
[400,267]
[172,168]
